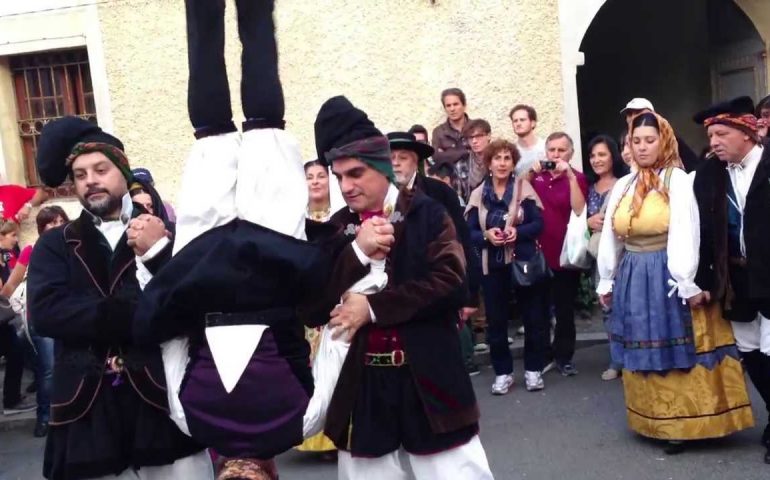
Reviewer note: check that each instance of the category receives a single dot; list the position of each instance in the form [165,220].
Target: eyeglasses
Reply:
[477,136]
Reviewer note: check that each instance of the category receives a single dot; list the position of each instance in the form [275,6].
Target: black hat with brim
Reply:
[737,106]
[407,141]
[57,140]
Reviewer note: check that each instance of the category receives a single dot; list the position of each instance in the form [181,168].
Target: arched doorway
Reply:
[681,55]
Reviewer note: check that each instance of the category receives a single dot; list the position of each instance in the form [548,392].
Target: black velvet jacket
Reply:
[83,295]
[743,290]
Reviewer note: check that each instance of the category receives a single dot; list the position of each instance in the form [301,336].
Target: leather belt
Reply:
[738,261]
[262,317]
[396,358]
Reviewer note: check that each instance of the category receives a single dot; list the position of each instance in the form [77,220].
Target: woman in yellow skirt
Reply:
[319,209]
[682,376]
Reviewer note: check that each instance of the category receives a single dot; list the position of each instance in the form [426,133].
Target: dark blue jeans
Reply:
[498,293]
[43,375]
[534,307]
[533,303]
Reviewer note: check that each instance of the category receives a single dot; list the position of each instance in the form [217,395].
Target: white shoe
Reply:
[510,341]
[520,331]
[549,367]
[502,384]
[533,381]
[481,348]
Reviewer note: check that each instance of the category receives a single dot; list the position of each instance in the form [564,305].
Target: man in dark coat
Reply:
[406,153]
[108,406]
[732,189]
[403,383]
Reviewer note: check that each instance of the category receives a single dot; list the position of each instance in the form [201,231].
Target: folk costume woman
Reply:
[319,209]
[681,374]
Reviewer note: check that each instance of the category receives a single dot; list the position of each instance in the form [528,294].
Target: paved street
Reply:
[575,429]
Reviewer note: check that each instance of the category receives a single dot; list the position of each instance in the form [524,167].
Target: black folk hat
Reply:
[735,107]
[57,141]
[407,141]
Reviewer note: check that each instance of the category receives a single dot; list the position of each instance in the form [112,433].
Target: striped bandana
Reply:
[112,152]
[373,151]
[746,122]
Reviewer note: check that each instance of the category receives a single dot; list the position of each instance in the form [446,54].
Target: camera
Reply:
[548,165]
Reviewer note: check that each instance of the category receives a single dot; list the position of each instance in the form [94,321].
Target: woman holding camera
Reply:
[563,190]
[505,219]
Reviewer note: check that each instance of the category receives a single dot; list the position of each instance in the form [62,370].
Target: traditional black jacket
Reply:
[83,295]
[426,271]
[749,284]
[447,197]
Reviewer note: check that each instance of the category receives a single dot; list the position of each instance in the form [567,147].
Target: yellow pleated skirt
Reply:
[707,401]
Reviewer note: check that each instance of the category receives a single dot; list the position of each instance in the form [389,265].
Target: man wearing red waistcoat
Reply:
[403,384]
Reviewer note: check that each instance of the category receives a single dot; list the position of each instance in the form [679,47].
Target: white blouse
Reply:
[683,235]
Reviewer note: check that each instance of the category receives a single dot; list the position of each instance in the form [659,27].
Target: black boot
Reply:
[674,447]
[208,93]
[261,92]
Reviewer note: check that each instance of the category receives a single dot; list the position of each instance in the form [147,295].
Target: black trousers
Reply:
[13,350]
[208,95]
[563,288]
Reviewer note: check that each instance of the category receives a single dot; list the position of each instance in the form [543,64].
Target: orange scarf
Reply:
[648,178]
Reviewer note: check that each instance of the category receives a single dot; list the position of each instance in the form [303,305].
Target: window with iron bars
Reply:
[50,85]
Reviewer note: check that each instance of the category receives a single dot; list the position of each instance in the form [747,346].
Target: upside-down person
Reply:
[226,304]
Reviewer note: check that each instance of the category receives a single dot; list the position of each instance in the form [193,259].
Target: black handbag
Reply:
[525,273]
[6,311]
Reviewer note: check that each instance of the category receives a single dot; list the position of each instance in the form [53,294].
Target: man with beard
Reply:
[406,153]
[732,189]
[403,383]
[108,406]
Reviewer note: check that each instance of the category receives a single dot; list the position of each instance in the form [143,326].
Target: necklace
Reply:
[319,215]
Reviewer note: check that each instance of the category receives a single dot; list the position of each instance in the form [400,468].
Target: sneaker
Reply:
[510,341]
[610,374]
[568,369]
[472,369]
[550,366]
[481,348]
[502,384]
[20,407]
[41,429]
[520,331]
[534,381]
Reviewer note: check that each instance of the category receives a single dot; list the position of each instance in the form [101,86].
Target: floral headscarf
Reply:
[668,156]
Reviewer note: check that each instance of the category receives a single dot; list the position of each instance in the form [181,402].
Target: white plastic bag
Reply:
[574,251]
[175,355]
[331,355]
[327,365]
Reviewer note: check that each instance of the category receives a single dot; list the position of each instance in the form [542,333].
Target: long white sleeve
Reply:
[683,234]
[609,245]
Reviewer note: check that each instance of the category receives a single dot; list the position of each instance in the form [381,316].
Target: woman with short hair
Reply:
[504,215]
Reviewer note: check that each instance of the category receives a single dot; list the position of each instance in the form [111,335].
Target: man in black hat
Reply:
[732,189]
[406,153]
[403,383]
[108,405]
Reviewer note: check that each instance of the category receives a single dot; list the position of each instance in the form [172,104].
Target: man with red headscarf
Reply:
[732,189]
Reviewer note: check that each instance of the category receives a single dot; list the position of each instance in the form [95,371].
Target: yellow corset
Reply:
[649,230]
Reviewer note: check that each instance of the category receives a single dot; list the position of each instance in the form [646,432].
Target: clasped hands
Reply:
[499,237]
[144,231]
[375,238]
